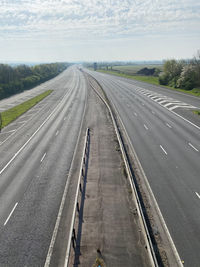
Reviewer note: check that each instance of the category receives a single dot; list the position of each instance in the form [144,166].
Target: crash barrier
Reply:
[79,190]
[0,122]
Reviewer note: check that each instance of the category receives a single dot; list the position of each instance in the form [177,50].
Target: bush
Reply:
[188,78]
[164,79]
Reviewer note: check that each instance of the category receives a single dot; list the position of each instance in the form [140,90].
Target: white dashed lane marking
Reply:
[193,147]
[163,150]
[197,194]
[43,157]
[11,213]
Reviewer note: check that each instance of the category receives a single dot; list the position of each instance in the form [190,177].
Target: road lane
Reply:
[170,163]
[36,177]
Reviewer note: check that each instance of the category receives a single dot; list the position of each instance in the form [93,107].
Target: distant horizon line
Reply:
[17,62]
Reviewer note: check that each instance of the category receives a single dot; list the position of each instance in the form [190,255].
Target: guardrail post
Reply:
[74,234]
[77,206]
[73,242]
[0,122]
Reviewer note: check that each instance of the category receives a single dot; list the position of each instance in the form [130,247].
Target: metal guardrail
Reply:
[81,180]
[0,122]
[147,236]
[171,248]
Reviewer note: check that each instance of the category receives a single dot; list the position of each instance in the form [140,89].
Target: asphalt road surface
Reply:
[35,157]
[166,137]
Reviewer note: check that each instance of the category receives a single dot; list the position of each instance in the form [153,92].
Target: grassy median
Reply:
[11,114]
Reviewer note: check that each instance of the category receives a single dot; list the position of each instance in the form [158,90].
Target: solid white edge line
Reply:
[193,147]
[57,133]
[197,194]
[55,231]
[43,157]
[21,125]
[146,127]
[37,111]
[11,213]
[25,144]
[153,197]
[179,261]
[193,124]
[163,150]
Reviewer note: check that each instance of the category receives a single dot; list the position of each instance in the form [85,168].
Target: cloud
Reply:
[90,19]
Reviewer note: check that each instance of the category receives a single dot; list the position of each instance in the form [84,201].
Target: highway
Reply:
[36,154]
[166,137]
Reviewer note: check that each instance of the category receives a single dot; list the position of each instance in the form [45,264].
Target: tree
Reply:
[196,63]
[173,69]
[188,77]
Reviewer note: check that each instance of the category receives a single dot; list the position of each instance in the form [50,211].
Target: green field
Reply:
[11,114]
[148,79]
[133,69]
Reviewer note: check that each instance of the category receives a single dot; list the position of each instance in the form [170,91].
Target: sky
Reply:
[93,30]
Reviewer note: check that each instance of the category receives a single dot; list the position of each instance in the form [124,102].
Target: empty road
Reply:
[36,154]
[166,137]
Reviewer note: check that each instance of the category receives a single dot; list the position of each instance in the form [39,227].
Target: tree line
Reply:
[14,80]
[181,73]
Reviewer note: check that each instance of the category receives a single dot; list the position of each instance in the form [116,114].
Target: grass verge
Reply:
[152,80]
[12,114]
[196,112]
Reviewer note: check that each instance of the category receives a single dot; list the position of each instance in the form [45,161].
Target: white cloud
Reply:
[81,20]
[97,18]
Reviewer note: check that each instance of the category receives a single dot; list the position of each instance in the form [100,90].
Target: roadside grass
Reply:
[152,80]
[196,112]
[11,114]
[133,69]
[148,79]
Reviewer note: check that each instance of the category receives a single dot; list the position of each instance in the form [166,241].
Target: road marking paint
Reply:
[168,125]
[152,112]
[158,99]
[193,147]
[155,97]
[43,157]
[135,114]
[9,132]
[57,133]
[163,101]
[21,122]
[145,127]
[163,150]
[32,136]
[181,106]
[197,194]
[11,213]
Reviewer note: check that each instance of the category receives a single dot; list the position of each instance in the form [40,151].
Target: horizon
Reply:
[87,31]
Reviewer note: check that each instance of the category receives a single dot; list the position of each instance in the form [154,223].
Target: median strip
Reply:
[12,114]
